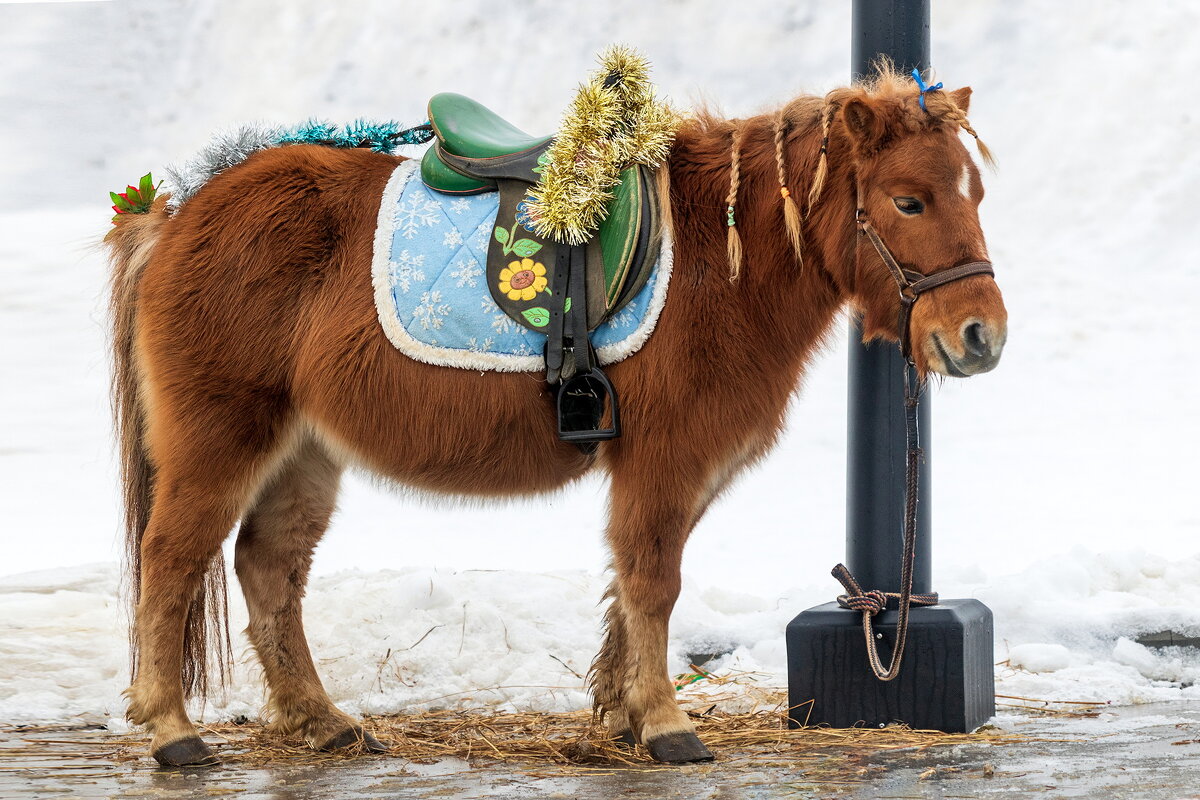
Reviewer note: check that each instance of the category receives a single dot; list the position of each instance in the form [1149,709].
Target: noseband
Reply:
[913,284]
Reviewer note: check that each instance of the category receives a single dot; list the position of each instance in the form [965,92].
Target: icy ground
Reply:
[1063,482]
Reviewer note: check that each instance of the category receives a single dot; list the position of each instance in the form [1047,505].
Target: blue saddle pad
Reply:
[431,292]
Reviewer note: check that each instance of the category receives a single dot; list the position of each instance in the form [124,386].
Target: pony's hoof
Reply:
[625,738]
[355,737]
[189,752]
[683,747]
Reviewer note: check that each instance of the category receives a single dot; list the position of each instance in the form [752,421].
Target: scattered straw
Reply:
[561,743]
[1056,708]
[740,717]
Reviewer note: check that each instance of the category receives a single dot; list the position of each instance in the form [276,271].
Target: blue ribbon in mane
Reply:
[916,73]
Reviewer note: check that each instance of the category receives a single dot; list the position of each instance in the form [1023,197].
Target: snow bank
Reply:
[395,641]
[1065,628]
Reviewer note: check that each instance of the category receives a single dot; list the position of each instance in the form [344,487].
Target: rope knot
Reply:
[871,602]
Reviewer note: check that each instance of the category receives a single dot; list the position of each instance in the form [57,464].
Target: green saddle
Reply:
[468,129]
[476,150]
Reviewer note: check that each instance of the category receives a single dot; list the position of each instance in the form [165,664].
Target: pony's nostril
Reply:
[975,339]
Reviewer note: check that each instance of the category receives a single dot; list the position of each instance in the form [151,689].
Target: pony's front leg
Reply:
[650,520]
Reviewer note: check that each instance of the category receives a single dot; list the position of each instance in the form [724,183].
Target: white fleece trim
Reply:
[385,304]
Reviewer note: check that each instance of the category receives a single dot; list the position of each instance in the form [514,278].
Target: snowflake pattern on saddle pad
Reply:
[431,292]
[414,213]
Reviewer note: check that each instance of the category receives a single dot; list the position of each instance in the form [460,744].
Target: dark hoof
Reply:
[625,739]
[355,737]
[678,748]
[189,752]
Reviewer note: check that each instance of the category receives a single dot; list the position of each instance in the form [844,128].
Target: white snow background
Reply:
[1063,482]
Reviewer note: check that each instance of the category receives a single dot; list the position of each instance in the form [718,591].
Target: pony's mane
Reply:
[891,95]
[890,91]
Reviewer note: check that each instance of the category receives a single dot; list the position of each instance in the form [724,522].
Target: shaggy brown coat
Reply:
[251,369]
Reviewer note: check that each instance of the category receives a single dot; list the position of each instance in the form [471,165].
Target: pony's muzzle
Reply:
[979,347]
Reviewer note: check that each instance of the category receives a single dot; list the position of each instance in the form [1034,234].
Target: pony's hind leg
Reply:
[184,535]
[273,556]
[630,684]
[207,468]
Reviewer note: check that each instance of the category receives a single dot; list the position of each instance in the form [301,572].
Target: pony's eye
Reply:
[908,205]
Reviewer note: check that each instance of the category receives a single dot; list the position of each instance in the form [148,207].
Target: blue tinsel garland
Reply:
[382,137]
[230,148]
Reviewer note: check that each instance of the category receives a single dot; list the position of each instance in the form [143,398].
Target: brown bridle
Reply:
[912,285]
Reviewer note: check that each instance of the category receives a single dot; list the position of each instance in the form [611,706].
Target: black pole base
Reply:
[946,682]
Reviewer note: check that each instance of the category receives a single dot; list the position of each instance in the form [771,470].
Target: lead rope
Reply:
[874,601]
[911,285]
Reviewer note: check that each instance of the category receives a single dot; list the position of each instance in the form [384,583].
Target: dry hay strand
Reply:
[573,742]
[752,734]
[1076,709]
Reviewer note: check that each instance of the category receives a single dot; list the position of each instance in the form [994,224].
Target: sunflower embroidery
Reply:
[522,280]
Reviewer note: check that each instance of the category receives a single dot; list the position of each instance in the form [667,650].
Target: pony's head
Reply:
[920,190]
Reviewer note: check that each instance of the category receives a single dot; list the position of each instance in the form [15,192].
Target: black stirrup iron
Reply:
[581,400]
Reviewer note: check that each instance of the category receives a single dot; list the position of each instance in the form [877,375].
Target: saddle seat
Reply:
[467,128]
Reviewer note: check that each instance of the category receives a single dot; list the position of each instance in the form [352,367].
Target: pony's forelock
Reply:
[899,97]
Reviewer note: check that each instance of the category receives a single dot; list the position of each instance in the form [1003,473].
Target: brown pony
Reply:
[250,370]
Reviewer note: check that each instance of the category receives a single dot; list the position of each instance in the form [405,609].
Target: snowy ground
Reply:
[392,641]
[1062,481]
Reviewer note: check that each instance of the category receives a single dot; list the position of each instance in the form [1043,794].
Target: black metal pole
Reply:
[946,682]
[898,30]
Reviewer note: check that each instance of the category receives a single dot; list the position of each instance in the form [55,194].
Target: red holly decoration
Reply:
[135,199]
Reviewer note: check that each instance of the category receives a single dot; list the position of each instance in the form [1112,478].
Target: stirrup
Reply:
[581,407]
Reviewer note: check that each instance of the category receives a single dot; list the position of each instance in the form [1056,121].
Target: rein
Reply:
[912,285]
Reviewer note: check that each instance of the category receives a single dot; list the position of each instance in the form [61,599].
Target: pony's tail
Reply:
[130,244]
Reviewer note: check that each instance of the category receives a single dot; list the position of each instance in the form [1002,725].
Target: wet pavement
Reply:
[1143,752]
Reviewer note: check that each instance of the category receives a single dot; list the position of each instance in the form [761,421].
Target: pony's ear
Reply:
[862,122]
[962,98]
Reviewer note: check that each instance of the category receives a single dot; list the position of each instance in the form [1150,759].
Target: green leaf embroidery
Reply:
[525,247]
[501,235]
[537,316]
[567,306]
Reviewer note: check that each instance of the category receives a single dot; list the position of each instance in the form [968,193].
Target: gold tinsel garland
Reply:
[613,123]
